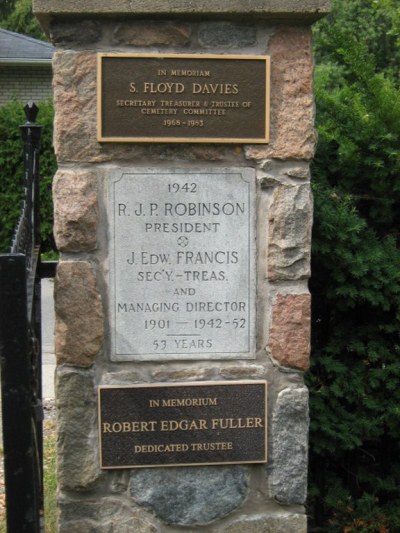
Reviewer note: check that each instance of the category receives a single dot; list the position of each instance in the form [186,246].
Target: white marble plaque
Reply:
[182,264]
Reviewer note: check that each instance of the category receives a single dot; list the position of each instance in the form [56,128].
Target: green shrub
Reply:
[355,285]
[11,171]
[17,16]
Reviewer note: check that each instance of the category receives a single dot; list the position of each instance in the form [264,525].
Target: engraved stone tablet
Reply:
[183,424]
[182,264]
[183,98]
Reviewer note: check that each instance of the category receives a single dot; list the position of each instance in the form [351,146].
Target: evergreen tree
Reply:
[12,171]
[355,374]
[6,7]
[19,18]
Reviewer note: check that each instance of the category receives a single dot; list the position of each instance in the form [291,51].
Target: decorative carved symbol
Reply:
[183,241]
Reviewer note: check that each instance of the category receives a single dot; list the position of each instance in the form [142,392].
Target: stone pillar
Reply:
[220,499]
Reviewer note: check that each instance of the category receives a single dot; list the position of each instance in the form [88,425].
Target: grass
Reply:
[50,480]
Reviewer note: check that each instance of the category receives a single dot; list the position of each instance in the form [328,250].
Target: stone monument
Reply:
[183,213]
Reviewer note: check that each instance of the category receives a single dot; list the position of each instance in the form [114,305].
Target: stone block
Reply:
[301,173]
[74,84]
[124,377]
[183,374]
[75,102]
[153,33]
[118,481]
[76,32]
[75,211]
[271,10]
[289,447]
[243,372]
[77,459]
[102,515]
[208,152]
[292,105]
[276,523]
[289,338]
[227,34]
[79,326]
[268,181]
[190,496]
[289,233]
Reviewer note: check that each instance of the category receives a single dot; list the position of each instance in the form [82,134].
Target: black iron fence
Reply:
[20,351]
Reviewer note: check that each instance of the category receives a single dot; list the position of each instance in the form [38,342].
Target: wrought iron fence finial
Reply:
[31,111]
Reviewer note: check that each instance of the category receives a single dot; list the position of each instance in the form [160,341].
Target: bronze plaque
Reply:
[182,424]
[183,98]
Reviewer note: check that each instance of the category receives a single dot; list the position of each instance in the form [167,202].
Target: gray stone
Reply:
[290,223]
[118,480]
[77,446]
[243,372]
[268,181]
[190,496]
[124,377]
[276,523]
[227,34]
[183,374]
[82,32]
[103,515]
[299,173]
[289,447]
[190,247]
[266,165]
[153,33]
[307,10]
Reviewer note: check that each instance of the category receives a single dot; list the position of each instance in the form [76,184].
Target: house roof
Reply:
[18,48]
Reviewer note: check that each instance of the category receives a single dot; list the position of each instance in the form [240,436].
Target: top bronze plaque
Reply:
[183,98]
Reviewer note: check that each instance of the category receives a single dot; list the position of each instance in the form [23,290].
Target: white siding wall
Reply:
[25,83]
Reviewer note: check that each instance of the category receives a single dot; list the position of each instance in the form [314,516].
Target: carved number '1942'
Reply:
[186,187]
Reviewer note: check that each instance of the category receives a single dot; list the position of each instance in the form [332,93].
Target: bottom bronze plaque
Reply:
[199,423]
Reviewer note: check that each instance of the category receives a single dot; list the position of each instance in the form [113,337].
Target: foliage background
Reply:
[12,171]
[16,15]
[355,284]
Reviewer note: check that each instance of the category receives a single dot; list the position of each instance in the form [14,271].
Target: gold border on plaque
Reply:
[239,140]
[183,384]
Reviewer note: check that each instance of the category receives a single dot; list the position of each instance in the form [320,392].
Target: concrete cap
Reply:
[306,11]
